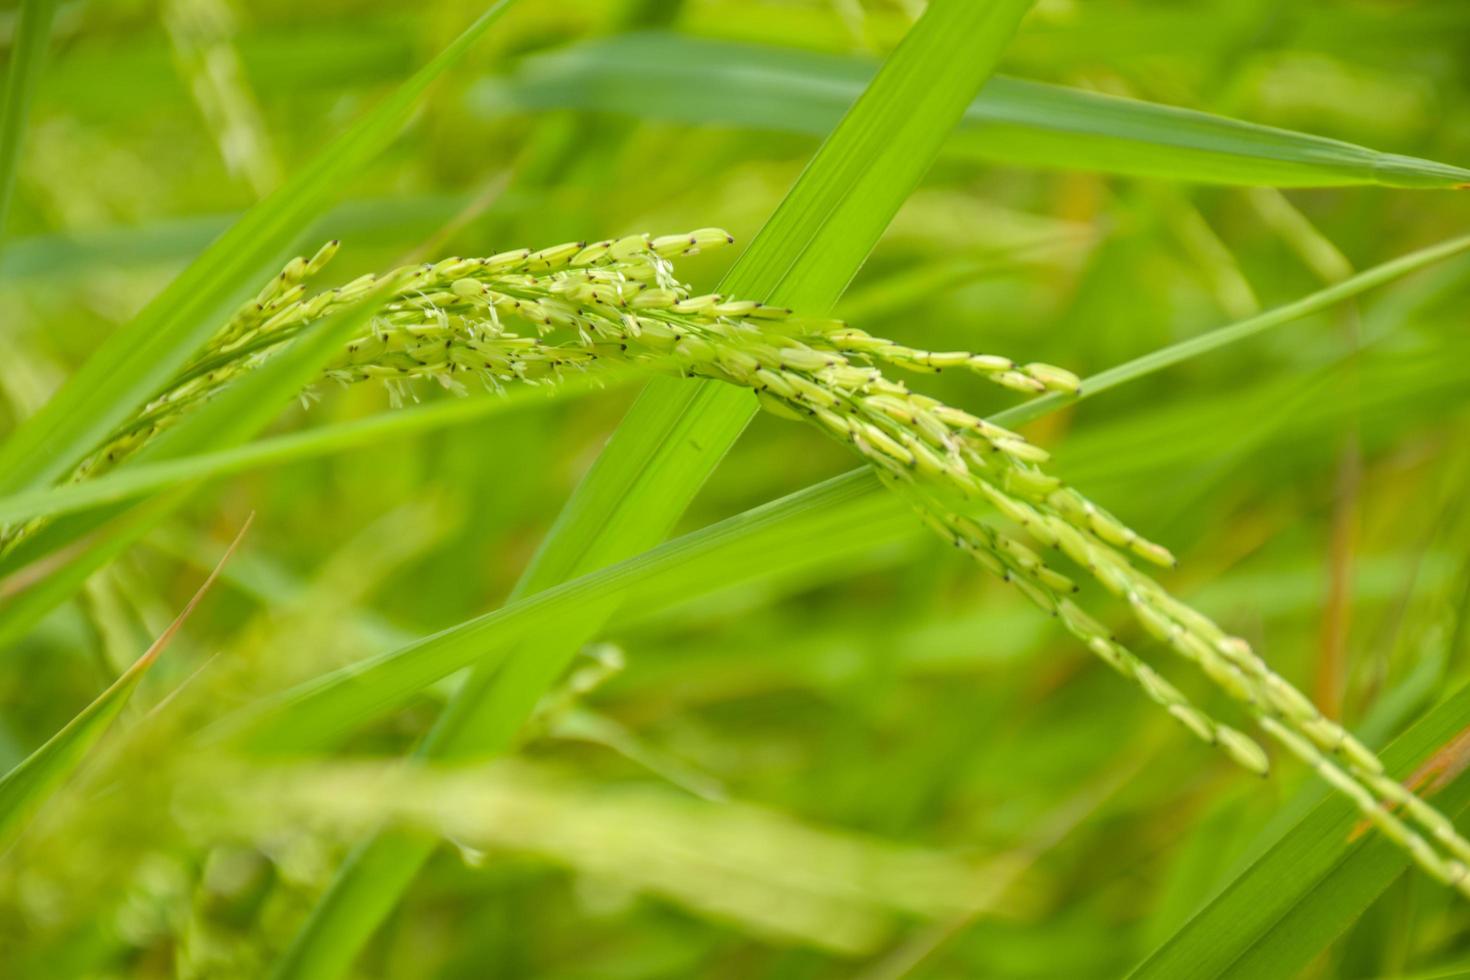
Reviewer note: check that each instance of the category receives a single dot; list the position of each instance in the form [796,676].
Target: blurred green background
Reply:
[1311,482]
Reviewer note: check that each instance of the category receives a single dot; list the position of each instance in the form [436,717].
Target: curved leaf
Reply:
[1014,122]
[32,34]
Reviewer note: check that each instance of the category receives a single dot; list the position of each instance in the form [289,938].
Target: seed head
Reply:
[529,317]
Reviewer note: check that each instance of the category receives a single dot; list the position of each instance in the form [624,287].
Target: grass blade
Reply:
[135,361]
[25,787]
[676,433]
[27,55]
[1306,306]
[1013,122]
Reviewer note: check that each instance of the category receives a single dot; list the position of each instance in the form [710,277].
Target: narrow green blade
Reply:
[813,525]
[27,55]
[1234,333]
[1014,122]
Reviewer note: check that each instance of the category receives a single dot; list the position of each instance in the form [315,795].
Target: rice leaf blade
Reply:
[25,787]
[1012,121]
[777,536]
[139,479]
[27,57]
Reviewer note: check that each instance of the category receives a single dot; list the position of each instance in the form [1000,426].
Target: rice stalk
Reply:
[533,317]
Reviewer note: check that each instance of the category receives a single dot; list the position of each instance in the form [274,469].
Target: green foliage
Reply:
[695,80]
[758,720]
[32,35]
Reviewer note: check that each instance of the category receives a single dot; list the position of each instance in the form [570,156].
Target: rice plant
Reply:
[510,669]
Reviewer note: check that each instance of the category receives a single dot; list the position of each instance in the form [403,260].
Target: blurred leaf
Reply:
[364,222]
[762,870]
[27,55]
[1012,122]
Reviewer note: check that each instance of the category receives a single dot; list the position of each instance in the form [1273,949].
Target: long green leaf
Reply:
[363,221]
[1287,906]
[27,55]
[1015,122]
[27,786]
[135,361]
[1306,306]
[676,433]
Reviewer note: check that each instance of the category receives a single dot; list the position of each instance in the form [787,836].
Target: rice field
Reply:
[683,488]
